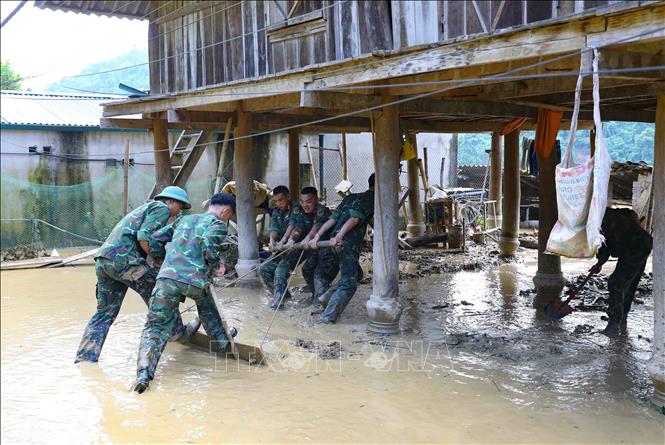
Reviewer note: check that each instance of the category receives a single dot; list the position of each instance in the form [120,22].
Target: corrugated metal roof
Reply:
[52,109]
[122,8]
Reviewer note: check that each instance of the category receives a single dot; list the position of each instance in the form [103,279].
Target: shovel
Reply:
[556,309]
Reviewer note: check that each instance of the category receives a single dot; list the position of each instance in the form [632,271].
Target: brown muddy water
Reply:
[473,364]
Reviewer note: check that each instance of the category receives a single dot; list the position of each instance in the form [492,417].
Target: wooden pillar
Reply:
[510,208]
[494,221]
[383,305]
[451,161]
[416,226]
[248,245]
[163,170]
[656,365]
[294,162]
[549,280]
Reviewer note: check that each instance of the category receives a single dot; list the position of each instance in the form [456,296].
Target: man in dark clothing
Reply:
[626,240]
[278,232]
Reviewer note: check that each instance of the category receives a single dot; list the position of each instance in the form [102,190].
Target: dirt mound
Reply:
[325,351]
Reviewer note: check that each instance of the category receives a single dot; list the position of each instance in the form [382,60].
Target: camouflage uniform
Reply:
[279,221]
[121,264]
[195,251]
[627,241]
[358,205]
[303,222]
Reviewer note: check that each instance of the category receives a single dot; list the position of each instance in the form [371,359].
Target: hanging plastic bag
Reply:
[581,190]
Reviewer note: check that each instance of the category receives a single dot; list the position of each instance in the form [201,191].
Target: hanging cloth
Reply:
[547,128]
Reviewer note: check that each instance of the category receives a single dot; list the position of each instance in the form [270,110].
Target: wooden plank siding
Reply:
[193,46]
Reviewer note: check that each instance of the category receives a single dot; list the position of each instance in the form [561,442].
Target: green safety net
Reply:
[83,214]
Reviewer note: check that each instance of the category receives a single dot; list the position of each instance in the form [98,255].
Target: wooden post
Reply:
[425,159]
[248,245]
[222,157]
[549,280]
[656,366]
[494,221]
[345,165]
[452,161]
[125,182]
[383,305]
[415,225]
[510,224]
[294,162]
[163,171]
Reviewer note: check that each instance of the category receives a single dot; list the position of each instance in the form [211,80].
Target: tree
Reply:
[10,79]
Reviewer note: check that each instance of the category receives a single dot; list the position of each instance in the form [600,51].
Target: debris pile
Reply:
[22,253]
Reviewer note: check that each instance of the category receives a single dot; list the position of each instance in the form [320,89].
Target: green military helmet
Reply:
[173,192]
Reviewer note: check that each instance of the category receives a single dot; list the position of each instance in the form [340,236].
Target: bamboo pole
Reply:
[345,165]
[125,183]
[222,157]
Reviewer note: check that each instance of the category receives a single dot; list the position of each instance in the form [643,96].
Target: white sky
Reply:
[52,44]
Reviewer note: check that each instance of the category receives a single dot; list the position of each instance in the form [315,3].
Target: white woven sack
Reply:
[581,189]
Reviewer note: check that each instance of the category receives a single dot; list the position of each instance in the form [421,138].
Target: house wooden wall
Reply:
[195,44]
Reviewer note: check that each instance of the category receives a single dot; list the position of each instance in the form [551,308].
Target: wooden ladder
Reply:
[184,156]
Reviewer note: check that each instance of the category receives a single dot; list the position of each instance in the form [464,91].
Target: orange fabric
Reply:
[547,128]
[512,125]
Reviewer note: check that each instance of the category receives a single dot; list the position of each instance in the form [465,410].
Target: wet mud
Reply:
[473,363]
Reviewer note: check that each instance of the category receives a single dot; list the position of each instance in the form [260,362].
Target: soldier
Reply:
[279,221]
[348,223]
[195,254]
[124,261]
[304,221]
[626,240]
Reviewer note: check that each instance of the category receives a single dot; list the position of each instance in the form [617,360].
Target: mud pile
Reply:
[22,253]
[326,351]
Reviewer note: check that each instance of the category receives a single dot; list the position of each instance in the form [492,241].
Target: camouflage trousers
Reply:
[164,317]
[112,285]
[348,266]
[267,272]
[623,282]
[283,270]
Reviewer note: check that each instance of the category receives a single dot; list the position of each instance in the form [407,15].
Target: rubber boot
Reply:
[612,329]
[191,327]
[142,382]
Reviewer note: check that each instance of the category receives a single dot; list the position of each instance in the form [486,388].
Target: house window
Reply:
[285,13]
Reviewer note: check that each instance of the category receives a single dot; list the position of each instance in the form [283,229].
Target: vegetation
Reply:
[9,79]
[107,83]
[626,141]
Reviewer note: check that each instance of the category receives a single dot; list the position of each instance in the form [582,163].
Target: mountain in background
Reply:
[107,83]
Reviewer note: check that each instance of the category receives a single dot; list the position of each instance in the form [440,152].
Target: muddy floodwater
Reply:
[473,364]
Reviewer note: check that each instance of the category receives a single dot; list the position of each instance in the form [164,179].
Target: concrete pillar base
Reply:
[508,245]
[248,270]
[548,286]
[415,229]
[384,314]
[656,369]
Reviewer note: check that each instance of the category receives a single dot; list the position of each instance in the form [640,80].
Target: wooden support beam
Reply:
[294,163]
[610,59]
[163,171]
[455,108]
[192,118]
[337,101]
